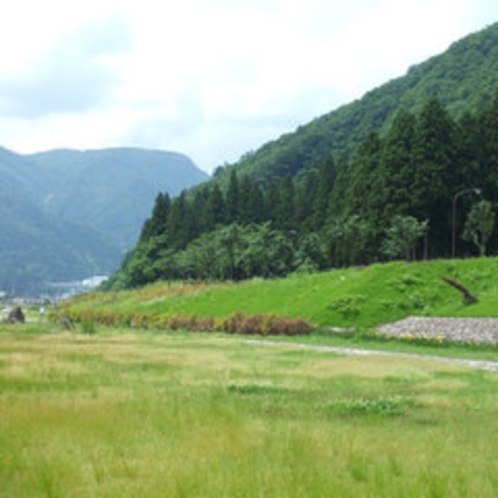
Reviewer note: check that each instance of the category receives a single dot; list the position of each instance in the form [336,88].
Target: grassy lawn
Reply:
[152,414]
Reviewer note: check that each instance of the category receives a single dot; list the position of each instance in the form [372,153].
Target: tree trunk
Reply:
[468,297]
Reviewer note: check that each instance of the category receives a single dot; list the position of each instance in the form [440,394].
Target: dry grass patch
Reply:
[156,414]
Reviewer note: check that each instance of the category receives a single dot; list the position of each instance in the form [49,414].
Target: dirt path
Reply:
[479,364]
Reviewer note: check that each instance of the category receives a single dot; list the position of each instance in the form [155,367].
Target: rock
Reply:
[16,315]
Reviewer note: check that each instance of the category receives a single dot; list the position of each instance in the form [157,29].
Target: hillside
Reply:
[67,215]
[354,297]
[462,78]
[373,181]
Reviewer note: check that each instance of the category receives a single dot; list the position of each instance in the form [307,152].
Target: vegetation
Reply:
[397,197]
[463,79]
[150,414]
[133,410]
[479,225]
[355,297]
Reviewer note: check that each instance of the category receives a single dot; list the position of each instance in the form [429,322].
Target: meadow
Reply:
[144,413]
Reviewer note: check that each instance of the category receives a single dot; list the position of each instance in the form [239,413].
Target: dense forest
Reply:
[420,189]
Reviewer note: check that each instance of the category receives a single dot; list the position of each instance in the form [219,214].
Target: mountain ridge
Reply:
[94,169]
[463,77]
[68,214]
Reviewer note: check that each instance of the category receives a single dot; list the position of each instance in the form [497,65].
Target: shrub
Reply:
[347,306]
[238,323]
[266,324]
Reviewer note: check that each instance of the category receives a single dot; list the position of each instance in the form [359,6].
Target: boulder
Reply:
[16,315]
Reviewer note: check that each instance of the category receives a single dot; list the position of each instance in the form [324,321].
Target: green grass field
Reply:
[356,297]
[153,414]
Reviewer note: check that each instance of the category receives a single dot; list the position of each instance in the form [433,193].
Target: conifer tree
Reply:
[306,193]
[488,160]
[232,199]
[434,173]
[285,208]
[396,167]
[214,212]
[181,227]
[320,200]
[156,224]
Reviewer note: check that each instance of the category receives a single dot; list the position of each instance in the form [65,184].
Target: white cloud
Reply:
[210,78]
[70,78]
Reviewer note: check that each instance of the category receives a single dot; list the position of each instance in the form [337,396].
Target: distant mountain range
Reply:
[67,214]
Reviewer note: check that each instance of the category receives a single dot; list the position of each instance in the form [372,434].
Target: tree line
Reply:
[403,194]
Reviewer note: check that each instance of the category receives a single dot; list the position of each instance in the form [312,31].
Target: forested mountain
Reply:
[401,173]
[462,79]
[67,215]
[110,190]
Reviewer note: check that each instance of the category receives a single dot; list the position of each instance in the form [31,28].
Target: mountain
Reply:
[462,79]
[66,215]
[374,180]
[111,190]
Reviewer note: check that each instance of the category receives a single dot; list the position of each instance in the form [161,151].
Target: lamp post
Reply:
[476,191]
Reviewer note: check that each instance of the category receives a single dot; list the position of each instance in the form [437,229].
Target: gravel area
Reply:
[475,330]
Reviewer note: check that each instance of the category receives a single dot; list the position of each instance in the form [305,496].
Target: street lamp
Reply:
[476,191]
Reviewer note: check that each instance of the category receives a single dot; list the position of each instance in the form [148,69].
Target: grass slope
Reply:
[147,414]
[359,297]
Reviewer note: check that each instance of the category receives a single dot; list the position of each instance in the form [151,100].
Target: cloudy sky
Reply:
[210,78]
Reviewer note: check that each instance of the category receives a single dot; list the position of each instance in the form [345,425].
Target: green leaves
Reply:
[402,237]
[479,225]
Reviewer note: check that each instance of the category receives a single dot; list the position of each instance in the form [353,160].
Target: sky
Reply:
[213,79]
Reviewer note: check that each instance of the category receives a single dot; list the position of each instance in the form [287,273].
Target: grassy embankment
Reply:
[141,413]
[353,297]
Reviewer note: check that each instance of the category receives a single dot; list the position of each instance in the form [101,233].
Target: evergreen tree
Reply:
[488,146]
[245,200]
[181,226]
[434,173]
[272,196]
[255,204]
[320,200]
[285,208]
[214,212]
[470,144]
[156,224]
[306,193]
[337,200]
[396,167]
[364,167]
[364,195]
[232,199]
